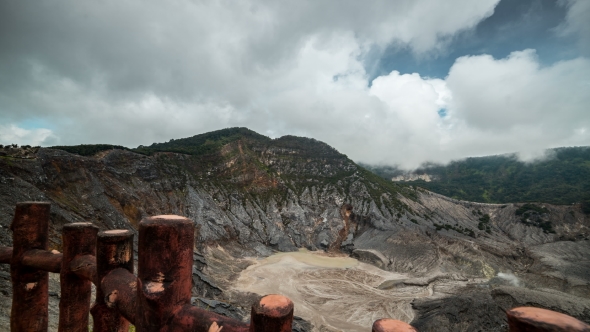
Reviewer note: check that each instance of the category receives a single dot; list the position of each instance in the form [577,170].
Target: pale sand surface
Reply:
[334,293]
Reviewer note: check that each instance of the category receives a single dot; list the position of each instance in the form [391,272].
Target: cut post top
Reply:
[392,325]
[537,316]
[164,219]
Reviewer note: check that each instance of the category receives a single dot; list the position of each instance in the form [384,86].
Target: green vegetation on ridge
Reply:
[88,149]
[563,178]
[202,144]
[261,167]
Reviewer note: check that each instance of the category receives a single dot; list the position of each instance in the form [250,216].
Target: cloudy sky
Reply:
[383,81]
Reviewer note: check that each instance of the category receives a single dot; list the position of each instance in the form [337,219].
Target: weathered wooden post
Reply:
[272,313]
[79,250]
[164,269]
[530,319]
[114,252]
[30,228]
[165,280]
[392,325]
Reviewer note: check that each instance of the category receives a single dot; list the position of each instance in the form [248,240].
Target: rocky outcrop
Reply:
[508,297]
[478,308]
[371,256]
[471,309]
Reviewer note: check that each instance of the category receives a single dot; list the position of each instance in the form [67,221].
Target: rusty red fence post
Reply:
[79,250]
[165,280]
[272,313]
[114,251]
[30,228]
[529,319]
[164,269]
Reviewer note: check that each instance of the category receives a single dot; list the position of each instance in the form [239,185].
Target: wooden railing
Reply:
[158,298]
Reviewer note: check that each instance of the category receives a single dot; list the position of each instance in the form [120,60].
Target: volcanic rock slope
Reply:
[251,195]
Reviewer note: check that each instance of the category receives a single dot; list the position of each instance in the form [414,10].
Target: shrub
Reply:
[531,207]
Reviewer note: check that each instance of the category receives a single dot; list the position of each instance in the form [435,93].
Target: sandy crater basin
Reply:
[334,293]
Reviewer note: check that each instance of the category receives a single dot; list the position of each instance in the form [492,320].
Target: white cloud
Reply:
[577,22]
[10,134]
[493,106]
[516,91]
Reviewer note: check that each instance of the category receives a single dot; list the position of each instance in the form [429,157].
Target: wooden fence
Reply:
[158,298]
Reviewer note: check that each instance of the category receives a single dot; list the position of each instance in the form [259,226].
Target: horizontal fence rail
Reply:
[158,298]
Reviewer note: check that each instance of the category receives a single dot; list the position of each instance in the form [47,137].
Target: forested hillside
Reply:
[563,178]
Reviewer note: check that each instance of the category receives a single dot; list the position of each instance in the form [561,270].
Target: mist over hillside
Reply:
[562,177]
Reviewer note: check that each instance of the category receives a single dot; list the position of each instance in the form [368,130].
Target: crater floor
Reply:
[336,293]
